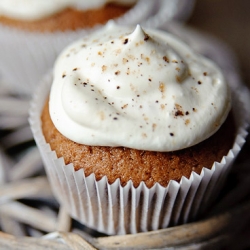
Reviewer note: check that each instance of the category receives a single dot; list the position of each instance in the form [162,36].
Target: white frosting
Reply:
[38,9]
[143,90]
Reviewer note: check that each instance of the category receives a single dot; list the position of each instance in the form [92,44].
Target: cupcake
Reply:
[136,131]
[37,15]
[32,33]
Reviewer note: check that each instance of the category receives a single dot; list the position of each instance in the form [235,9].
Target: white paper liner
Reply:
[26,56]
[113,209]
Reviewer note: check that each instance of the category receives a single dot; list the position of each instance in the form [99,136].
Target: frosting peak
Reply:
[138,89]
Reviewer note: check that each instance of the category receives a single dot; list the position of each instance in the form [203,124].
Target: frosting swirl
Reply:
[38,9]
[145,90]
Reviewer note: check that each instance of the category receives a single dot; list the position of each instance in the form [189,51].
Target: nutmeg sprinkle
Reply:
[146,37]
[165,59]
[125,41]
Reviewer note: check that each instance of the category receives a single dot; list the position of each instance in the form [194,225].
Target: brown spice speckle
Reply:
[162,87]
[125,41]
[178,79]
[104,67]
[153,126]
[178,113]
[179,110]
[146,37]
[124,60]
[165,59]
[124,106]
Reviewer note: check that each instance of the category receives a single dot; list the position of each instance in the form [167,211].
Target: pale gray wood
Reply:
[29,215]
[29,164]
[201,231]
[25,188]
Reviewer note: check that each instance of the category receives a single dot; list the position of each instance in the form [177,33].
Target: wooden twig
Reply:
[11,226]
[180,235]
[38,187]
[5,164]
[64,220]
[207,234]
[74,241]
[14,106]
[29,215]
[10,242]
[21,135]
[30,163]
[12,122]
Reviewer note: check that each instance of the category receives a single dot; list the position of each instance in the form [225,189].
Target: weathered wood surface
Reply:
[213,232]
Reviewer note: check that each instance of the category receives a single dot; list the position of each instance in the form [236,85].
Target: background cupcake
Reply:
[60,15]
[32,36]
[114,205]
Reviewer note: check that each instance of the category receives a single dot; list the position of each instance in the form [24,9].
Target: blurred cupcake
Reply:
[54,15]
[33,32]
[136,131]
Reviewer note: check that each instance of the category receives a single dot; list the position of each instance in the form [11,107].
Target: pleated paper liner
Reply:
[113,209]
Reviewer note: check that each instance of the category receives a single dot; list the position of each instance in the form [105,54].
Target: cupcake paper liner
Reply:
[113,209]
[26,56]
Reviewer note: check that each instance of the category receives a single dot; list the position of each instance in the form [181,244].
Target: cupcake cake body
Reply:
[136,91]
[145,121]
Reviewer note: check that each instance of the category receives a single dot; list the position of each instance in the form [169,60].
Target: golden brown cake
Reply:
[69,19]
[138,165]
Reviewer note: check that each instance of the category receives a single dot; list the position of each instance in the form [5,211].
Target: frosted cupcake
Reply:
[39,15]
[137,130]
[33,32]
